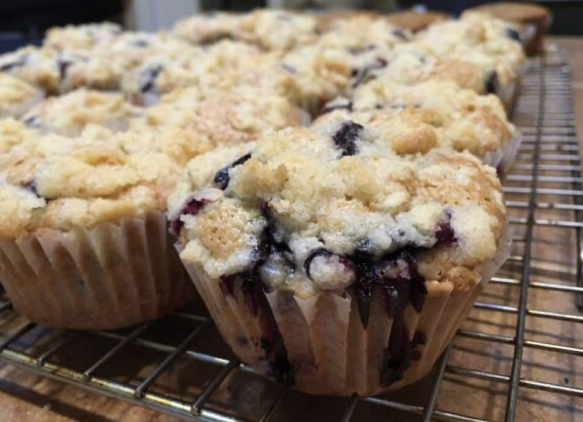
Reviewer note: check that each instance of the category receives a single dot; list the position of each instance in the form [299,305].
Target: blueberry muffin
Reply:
[17,96]
[274,30]
[84,36]
[69,114]
[485,42]
[463,119]
[333,265]
[533,19]
[83,238]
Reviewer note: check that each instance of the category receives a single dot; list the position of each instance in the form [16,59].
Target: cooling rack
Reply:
[517,357]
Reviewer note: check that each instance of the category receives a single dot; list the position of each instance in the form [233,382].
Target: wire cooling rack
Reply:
[517,357]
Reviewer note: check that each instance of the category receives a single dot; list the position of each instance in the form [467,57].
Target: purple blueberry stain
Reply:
[191,207]
[346,136]
[222,179]
[444,233]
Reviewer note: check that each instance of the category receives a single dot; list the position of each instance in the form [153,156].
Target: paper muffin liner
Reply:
[111,276]
[323,339]
[503,158]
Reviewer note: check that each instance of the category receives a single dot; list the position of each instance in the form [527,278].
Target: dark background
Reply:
[25,21]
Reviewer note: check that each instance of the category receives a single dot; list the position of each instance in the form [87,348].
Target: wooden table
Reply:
[26,397]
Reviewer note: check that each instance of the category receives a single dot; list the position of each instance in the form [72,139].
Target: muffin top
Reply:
[17,96]
[348,52]
[70,113]
[61,71]
[515,11]
[81,36]
[411,63]
[268,29]
[58,182]
[465,120]
[306,212]
[208,67]
[216,117]
[474,32]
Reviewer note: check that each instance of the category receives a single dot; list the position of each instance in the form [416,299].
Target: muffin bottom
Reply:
[320,346]
[112,276]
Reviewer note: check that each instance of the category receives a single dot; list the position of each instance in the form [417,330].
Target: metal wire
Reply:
[550,145]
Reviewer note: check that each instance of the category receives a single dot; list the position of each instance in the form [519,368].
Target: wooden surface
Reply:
[26,397]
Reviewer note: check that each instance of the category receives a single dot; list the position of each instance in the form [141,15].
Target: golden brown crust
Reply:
[416,21]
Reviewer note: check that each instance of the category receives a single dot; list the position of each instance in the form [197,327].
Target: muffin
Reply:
[332,264]
[17,96]
[84,36]
[416,21]
[273,30]
[533,19]
[69,114]
[484,42]
[83,238]
[463,119]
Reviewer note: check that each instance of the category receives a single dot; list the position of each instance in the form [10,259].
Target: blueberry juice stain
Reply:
[253,292]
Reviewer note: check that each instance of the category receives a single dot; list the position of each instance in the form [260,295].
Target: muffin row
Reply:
[325,188]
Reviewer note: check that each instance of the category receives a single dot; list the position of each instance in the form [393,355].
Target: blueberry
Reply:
[63,66]
[345,137]
[359,50]
[365,74]
[289,68]
[148,78]
[513,34]
[191,207]
[491,83]
[445,234]
[31,187]
[221,179]
[140,43]
[32,121]
[399,33]
[19,62]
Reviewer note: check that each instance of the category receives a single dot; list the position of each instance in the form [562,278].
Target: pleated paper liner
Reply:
[111,276]
[320,346]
